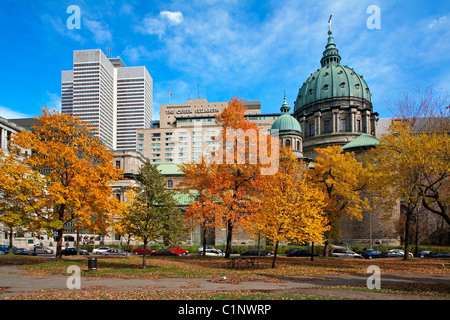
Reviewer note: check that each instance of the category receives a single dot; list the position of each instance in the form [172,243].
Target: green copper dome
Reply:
[363,141]
[332,80]
[286,122]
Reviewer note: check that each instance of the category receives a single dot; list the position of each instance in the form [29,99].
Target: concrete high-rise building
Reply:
[113,99]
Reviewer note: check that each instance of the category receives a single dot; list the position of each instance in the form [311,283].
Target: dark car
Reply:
[300,253]
[439,255]
[165,252]
[5,250]
[140,250]
[73,251]
[254,252]
[369,253]
[22,251]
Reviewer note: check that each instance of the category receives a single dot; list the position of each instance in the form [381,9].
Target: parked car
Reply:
[344,253]
[299,253]
[73,251]
[439,255]
[113,252]
[179,250]
[42,250]
[22,251]
[369,253]
[200,249]
[211,251]
[4,249]
[254,252]
[394,253]
[166,252]
[140,250]
[100,250]
[424,253]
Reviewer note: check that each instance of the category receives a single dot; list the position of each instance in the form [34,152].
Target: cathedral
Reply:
[333,107]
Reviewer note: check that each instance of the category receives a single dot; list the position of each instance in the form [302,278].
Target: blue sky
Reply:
[254,50]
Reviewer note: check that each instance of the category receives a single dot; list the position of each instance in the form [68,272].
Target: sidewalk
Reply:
[14,281]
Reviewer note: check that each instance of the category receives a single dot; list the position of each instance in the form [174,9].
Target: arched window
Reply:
[169,184]
[288,142]
[298,145]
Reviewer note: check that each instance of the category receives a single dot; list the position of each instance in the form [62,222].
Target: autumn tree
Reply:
[426,111]
[343,179]
[198,177]
[292,206]
[151,211]
[411,167]
[77,169]
[21,191]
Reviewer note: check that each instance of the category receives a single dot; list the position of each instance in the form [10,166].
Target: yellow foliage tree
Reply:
[292,207]
[343,179]
[21,189]
[414,168]
[77,169]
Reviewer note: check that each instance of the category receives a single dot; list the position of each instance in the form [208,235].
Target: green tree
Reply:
[151,211]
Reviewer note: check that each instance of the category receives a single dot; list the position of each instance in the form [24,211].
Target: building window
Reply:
[169,184]
[343,125]
[326,126]
[118,164]
[311,130]
[298,145]
[358,125]
[288,142]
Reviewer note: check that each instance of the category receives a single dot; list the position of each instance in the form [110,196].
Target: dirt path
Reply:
[15,282]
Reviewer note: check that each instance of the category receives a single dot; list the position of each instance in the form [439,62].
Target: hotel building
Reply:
[186,130]
[112,98]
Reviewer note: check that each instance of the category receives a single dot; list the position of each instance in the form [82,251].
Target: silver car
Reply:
[344,253]
[42,250]
[113,252]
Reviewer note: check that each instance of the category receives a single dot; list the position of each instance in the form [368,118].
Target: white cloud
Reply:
[99,30]
[438,22]
[158,26]
[137,53]
[52,102]
[173,18]
[12,114]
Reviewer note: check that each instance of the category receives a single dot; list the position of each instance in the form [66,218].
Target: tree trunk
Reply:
[259,244]
[204,239]
[128,243]
[416,250]
[59,242]
[229,238]
[275,254]
[312,251]
[325,248]
[144,254]
[10,240]
[78,242]
[407,233]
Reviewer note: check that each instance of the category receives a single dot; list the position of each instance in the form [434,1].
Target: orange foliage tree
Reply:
[228,177]
[77,169]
